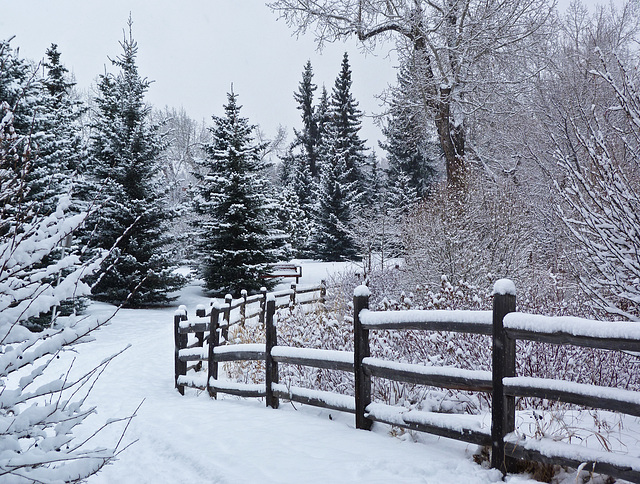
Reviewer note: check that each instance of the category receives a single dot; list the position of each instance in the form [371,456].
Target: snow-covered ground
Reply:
[194,439]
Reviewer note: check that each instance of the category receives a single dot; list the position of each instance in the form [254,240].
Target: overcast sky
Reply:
[193,50]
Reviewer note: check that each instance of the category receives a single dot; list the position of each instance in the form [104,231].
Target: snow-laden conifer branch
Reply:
[39,412]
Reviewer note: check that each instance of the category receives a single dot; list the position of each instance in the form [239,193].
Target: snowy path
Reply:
[194,439]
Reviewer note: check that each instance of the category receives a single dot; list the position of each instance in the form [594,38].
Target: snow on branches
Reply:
[38,412]
[600,162]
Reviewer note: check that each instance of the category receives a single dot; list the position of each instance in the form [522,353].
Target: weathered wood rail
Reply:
[502,324]
[281,270]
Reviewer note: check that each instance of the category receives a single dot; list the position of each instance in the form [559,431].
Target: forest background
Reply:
[510,148]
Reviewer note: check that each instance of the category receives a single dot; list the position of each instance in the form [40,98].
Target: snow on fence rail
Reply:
[216,321]
[503,324]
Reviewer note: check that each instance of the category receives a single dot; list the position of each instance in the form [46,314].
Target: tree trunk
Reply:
[452,140]
[451,136]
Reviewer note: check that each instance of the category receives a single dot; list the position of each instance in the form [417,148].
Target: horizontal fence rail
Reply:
[216,321]
[502,324]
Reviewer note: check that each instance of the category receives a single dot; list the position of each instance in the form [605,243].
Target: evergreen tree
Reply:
[342,129]
[412,157]
[40,410]
[19,87]
[322,118]
[332,237]
[123,166]
[236,239]
[342,179]
[57,152]
[297,200]
[299,168]
[44,110]
[296,175]
[295,223]
[20,90]
[308,137]
[56,134]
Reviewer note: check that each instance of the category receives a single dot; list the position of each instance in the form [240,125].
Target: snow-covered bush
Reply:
[330,326]
[38,410]
[599,160]
[466,236]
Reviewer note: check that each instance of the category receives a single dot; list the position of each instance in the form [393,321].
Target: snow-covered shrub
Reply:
[246,371]
[599,160]
[321,326]
[38,410]
[486,230]
[330,326]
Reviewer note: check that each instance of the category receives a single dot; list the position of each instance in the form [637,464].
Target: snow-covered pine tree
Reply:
[332,238]
[56,133]
[296,175]
[19,86]
[322,118]
[297,199]
[294,222]
[237,239]
[38,411]
[307,138]
[410,153]
[299,169]
[123,175]
[342,180]
[342,136]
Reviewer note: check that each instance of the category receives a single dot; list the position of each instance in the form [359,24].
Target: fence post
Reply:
[243,307]
[271,365]
[263,304]
[180,343]
[201,312]
[214,340]
[292,300]
[323,291]
[228,299]
[361,350]
[504,365]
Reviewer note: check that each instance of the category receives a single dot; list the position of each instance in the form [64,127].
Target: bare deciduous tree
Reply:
[457,50]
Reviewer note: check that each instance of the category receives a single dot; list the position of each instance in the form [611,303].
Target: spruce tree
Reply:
[332,238]
[322,118]
[21,90]
[294,222]
[123,166]
[57,135]
[299,169]
[40,409]
[298,199]
[342,179]
[237,241]
[45,110]
[412,157]
[308,137]
[343,127]
[19,87]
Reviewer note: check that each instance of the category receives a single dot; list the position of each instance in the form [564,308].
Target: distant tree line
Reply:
[488,137]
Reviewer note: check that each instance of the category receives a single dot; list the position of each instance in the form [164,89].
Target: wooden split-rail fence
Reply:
[503,324]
